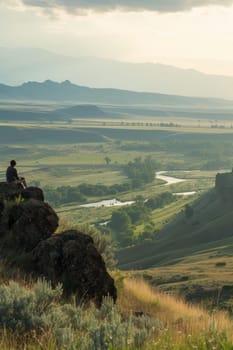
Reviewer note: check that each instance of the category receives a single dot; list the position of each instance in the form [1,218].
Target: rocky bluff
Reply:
[28,242]
[224,185]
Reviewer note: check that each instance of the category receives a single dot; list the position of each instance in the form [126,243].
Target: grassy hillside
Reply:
[193,254]
[211,222]
[142,319]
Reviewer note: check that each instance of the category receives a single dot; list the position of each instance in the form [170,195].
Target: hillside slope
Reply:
[208,226]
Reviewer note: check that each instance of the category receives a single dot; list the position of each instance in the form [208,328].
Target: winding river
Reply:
[106,203]
[168,179]
[159,175]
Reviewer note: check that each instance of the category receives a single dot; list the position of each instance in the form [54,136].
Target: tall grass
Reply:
[35,318]
[185,326]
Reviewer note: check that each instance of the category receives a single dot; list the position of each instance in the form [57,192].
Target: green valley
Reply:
[149,186]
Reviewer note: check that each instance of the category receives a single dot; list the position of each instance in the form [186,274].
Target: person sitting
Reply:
[12,175]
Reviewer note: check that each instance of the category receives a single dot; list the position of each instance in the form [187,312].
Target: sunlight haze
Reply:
[198,38]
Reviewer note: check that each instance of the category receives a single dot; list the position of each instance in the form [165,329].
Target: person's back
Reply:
[11,174]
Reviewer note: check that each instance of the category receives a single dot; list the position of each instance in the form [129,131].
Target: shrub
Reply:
[220,264]
[23,309]
[110,331]
[40,309]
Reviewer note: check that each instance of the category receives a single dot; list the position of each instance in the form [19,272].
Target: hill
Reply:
[193,256]
[42,113]
[41,135]
[206,225]
[18,65]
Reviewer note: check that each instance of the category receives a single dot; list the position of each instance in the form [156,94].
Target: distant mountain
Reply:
[66,91]
[27,64]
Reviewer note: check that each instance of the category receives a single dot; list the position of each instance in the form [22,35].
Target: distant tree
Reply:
[125,238]
[139,199]
[141,171]
[160,200]
[107,160]
[122,227]
[120,221]
[138,213]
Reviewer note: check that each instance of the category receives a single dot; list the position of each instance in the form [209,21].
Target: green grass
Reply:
[189,252]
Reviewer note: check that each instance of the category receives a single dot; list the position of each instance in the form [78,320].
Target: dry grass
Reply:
[176,315]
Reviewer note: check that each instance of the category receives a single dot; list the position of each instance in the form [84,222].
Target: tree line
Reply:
[138,171]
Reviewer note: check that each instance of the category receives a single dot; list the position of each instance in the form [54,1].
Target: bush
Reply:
[110,331]
[220,264]
[40,309]
[23,309]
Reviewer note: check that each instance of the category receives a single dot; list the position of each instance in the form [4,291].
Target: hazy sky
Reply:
[186,33]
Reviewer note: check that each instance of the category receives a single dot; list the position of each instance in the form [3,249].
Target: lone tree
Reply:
[107,160]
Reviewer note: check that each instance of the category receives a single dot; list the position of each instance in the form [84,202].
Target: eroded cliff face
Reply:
[28,242]
[224,185]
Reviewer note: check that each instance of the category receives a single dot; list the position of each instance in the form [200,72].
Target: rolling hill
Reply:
[207,228]
[33,113]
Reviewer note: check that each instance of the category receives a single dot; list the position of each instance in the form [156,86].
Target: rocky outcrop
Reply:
[33,193]
[71,258]
[224,186]
[13,191]
[28,241]
[31,222]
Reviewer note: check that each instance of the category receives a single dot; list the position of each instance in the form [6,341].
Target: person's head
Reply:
[13,163]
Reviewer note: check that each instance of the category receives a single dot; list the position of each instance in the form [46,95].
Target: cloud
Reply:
[128,5]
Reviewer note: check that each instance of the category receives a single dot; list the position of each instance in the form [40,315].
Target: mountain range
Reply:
[27,64]
[51,100]
[66,91]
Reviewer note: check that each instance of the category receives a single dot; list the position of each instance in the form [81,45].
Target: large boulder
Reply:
[10,191]
[72,259]
[28,242]
[33,193]
[30,222]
